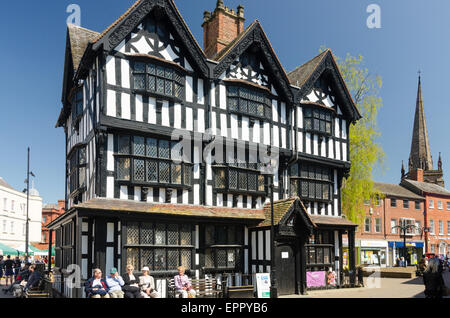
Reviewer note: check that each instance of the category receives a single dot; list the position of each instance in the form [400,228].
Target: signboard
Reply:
[315,279]
[263,285]
[285,255]
[374,243]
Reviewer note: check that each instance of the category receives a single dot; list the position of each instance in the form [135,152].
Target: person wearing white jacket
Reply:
[147,284]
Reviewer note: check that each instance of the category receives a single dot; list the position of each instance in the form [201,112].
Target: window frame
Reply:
[239,170]
[241,100]
[77,103]
[431,204]
[393,202]
[309,114]
[378,220]
[406,202]
[368,224]
[77,163]
[417,204]
[304,175]
[185,171]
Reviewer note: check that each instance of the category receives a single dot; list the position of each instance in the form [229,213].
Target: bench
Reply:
[44,289]
[204,288]
[240,292]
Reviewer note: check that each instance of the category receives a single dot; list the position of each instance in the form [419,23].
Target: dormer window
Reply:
[158,79]
[318,120]
[248,102]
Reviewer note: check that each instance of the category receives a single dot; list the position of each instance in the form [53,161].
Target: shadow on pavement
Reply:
[415,281]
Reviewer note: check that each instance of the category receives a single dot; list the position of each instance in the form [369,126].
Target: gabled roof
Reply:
[124,25]
[283,209]
[396,191]
[253,34]
[306,76]
[79,38]
[425,187]
[5,184]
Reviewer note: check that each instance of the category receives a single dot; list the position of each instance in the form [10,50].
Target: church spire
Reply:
[420,157]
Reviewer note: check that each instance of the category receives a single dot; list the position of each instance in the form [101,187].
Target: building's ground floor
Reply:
[229,244]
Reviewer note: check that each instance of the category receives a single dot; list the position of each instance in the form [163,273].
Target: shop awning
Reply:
[8,250]
[408,244]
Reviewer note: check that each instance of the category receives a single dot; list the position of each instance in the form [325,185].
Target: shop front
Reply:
[373,253]
[414,252]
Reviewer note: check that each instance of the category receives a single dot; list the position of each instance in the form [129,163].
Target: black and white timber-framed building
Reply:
[128,90]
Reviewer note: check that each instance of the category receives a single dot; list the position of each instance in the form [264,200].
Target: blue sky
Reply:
[413,36]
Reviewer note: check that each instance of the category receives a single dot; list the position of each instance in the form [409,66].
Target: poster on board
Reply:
[263,285]
[315,279]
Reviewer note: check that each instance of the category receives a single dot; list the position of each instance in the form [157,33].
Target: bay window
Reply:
[224,247]
[318,120]
[240,177]
[151,161]
[249,102]
[311,182]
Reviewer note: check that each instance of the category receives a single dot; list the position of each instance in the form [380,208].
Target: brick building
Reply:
[379,240]
[49,213]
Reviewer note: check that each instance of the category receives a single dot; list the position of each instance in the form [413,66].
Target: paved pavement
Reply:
[378,288]
[2,285]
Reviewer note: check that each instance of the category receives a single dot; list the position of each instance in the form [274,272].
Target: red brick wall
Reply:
[437,215]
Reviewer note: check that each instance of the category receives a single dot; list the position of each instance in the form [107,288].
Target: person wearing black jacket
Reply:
[433,280]
[131,287]
[23,276]
[9,272]
[33,279]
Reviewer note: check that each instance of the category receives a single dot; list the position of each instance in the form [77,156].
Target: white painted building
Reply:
[13,211]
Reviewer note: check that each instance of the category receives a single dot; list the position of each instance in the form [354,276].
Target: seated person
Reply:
[34,279]
[115,283]
[131,287]
[147,284]
[183,286]
[21,279]
[96,286]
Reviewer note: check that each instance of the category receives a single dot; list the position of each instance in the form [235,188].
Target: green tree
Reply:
[365,152]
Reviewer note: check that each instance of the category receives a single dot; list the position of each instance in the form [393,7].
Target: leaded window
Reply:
[77,170]
[224,247]
[311,182]
[161,247]
[149,161]
[77,106]
[248,101]
[319,250]
[239,179]
[318,120]
[158,79]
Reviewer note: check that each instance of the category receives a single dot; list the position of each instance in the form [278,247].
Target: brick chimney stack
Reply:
[417,175]
[221,27]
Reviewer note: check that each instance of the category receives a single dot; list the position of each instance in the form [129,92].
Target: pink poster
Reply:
[315,279]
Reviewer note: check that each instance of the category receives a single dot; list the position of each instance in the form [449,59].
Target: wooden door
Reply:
[286,271]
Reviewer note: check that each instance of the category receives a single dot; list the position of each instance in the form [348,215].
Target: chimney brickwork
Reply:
[221,27]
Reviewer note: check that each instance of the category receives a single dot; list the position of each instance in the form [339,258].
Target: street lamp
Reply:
[403,229]
[27,180]
[273,280]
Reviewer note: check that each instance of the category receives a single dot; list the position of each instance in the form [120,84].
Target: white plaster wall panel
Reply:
[300,117]
[109,257]
[174,197]
[109,232]
[209,195]
[234,126]
[110,187]
[336,207]
[162,195]
[137,194]
[150,196]
[126,108]
[330,209]
[335,178]
[125,71]
[245,128]
[316,208]
[219,199]
[339,110]
[165,117]
[169,54]
[223,96]
[327,101]
[260,245]
[344,151]
[323,148]
[111,109]
[240,202]
[257,132]
[338,150]
[276,196]
[276,136]
[337,128]
[110,153]
[267,133]
[259,203]
[272,89]
[223,125]
[121,47]
[300,141]
[142,46]
[187,65]
[308,143]
[201,120]
[189,119]
[316,145]
[230,200]
[283,113]
[152,110]
[253,246]
[200,93]
[189,89]
[274,111]
[312,97]
[84,244]
[177,116]
[268,255]
[111,70]
[249,202]
[330,149]
[213,95]
[196,165]
[214,123]
[123,192]
[344,129]
[196,194]
[139,108]
[185,197]
[283,138]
